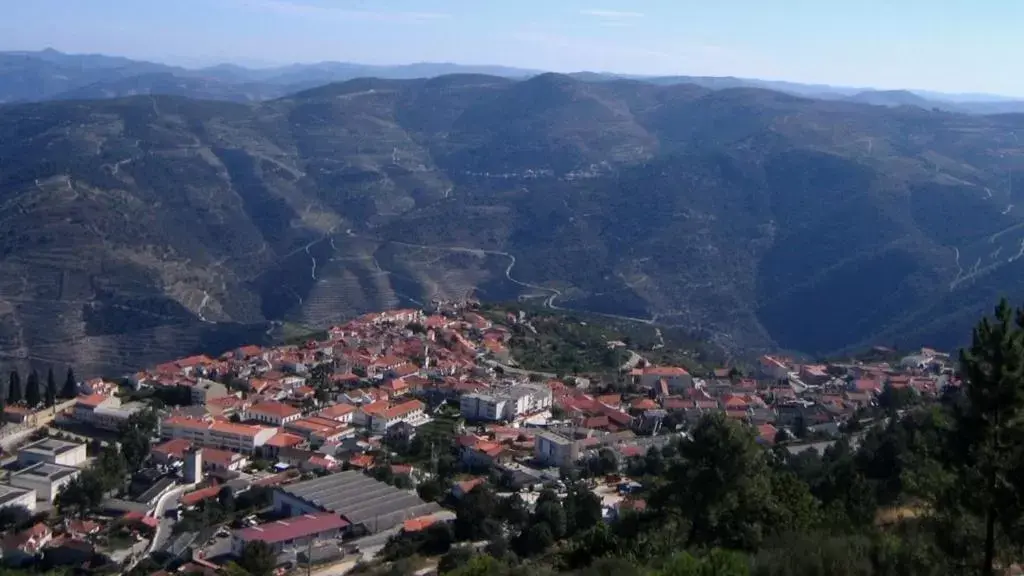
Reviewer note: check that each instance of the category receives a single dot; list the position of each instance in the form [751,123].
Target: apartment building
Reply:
[218,434]
[506,404]
[550,449]
[274,413]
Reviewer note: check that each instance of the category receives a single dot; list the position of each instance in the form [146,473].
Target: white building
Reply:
[53,451]
[553,450]
[11,496]
[380,416]
[45,478]
[275,413]
[104,412]
[217,433]
[506,404]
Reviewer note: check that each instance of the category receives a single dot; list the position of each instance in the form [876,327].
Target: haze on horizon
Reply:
[959,46]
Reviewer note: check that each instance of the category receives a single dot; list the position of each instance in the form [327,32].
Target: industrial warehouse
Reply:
[357,498]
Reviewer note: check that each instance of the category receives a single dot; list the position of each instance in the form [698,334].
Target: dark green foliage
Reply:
[14,388]
[258,558]
[33,392]
[70,389]
[51,388]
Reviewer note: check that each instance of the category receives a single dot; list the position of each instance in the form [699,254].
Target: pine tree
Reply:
[33,393]
[14,388]
[70,389]
[989,431]
[51,388]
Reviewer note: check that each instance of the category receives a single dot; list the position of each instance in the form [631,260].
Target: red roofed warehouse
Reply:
[291,533]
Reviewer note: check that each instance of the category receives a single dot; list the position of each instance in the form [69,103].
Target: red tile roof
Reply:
[197,496]
[176,447]
[275,409]
[292,528]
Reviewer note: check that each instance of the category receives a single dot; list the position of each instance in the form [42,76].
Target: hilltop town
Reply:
[321,452]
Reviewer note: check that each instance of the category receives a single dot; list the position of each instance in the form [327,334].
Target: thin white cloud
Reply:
[291,7]
[612,15]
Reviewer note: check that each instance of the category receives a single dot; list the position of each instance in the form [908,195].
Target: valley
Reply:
[140,228]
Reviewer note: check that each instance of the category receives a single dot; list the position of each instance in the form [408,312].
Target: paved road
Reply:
[166,502]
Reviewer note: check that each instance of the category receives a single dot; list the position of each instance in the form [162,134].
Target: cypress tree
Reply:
[70,389]
[51,388]
[14,388]
[33,393]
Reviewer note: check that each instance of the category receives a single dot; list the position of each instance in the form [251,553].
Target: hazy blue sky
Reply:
[949,45]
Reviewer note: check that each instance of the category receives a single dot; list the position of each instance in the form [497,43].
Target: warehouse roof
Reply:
[50,446]
[292,528]
[362,500]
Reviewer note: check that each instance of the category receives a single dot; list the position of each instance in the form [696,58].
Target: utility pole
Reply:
[309,557]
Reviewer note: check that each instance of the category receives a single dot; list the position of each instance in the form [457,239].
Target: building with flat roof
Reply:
[104,411]
[45,478]
[359,499]
[54,451]
[11,496]
[291,533]
[553,449]
[506,403]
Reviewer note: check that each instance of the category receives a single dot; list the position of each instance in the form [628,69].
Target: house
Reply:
[54,451]
[273,413]
[23,546]
[676,378]
[204,390]
[339,412]
[460,489]
[222,460]
[483,454]
[170,451]
[380,416]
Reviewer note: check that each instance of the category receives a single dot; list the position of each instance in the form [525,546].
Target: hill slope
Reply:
[131,228]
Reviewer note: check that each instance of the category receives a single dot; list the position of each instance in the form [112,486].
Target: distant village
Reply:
[327,430]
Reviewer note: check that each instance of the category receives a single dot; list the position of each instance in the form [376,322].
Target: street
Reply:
[166,502]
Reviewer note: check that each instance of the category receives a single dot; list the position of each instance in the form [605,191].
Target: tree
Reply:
[989,433]
[136,437]
[258,558]
[13,516]
[455,558]
[70,389]
[429,490]
[538,539]
[721,484]
[33,392]
[51,388]
[475,515]
[226,498]
[582,510]
[14,388]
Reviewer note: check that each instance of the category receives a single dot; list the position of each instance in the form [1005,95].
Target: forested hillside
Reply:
[137,228]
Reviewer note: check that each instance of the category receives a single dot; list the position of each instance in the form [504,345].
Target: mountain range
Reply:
[52,75]
[135,229]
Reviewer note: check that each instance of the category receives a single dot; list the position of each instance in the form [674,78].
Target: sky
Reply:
[950,45]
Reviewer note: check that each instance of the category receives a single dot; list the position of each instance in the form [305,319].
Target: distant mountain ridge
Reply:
[52,75]
[136,229]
